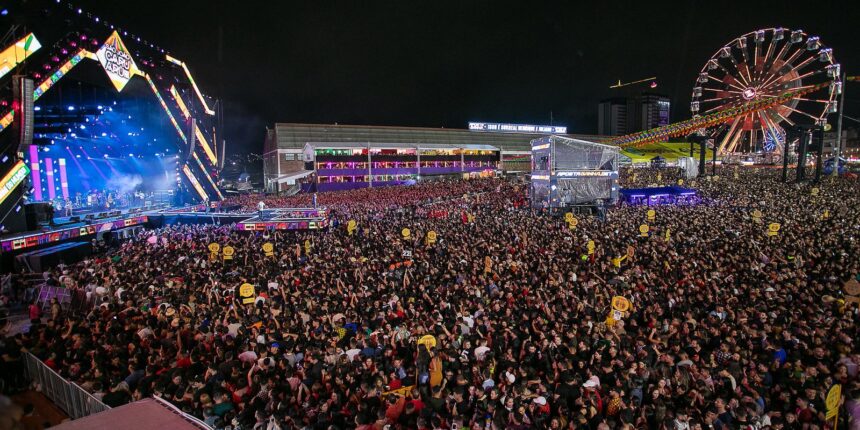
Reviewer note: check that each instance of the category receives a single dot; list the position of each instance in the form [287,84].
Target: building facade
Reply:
[623,115]
[283,154]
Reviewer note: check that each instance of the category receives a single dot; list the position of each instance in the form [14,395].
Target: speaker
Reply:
[22,103]
[38,214]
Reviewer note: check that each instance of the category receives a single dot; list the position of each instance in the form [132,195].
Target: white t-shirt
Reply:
[350,354]
[233,329]
[480,352]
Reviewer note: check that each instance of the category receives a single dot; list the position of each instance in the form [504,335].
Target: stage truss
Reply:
[196,128]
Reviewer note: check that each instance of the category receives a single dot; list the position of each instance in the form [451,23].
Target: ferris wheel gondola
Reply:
[760,65]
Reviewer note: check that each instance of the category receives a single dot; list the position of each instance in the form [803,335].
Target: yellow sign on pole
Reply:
[246,292]
[431,237]
[668,235]
[773,229]
[831,403]
[680,182]
[269,249]
[643,230]
[652,214]
[228,252]
[350,227]
[405,232]
[568,217]
[214,247]
[620,303]
[814,191]
[307,246]
[590,246]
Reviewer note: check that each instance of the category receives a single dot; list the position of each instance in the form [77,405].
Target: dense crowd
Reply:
[730,328]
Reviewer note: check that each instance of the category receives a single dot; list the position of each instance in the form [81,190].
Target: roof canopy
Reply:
[146,414]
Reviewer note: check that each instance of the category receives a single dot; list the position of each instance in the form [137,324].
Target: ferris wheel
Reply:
[760,65]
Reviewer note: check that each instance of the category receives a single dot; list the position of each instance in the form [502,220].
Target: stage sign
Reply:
[17,53]
[116,61]
[29,241]
[12,179]
[517,128]
[584,173]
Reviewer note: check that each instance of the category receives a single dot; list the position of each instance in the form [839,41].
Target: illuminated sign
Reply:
[584,173]
[302,224]
[36,239]
[517,128]
[206,148]
[179,102]
[17,53]
[116,61]
[194,182]
[193,84]
[12,179]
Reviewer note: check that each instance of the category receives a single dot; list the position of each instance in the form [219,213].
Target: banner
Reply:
[116,61]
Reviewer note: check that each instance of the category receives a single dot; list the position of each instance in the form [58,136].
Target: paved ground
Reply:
[44,414]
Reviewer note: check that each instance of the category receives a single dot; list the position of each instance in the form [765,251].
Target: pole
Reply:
[837,145]
[818,158]
[714,158]
[801,155]
[785,149]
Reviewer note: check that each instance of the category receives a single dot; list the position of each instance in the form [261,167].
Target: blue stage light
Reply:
[131,155]
[104,134]
[37,108]
[71,108]
[4,12]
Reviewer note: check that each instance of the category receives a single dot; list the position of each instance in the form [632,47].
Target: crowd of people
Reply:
[502,320]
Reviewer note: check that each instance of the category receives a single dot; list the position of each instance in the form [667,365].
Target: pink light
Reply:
[34,172]
[64,182]
[49,170]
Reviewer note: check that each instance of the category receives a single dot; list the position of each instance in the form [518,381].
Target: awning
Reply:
[146,414]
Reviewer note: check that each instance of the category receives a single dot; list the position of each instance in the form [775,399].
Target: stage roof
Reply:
[398,145]
[295,136]
[146,414]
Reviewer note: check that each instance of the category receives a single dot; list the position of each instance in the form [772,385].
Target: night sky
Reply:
[443,63]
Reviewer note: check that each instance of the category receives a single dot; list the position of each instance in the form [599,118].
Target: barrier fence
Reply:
[68,396]
[77,402]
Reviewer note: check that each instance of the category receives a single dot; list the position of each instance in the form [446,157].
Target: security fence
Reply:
[68,396]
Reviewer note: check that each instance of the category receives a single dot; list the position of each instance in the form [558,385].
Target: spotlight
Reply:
[71,108]
[106,156]
[131,155]
[97,19]
[80,11]
[4,12]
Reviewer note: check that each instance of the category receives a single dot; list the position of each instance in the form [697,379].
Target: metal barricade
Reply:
[68,396]
[74,400]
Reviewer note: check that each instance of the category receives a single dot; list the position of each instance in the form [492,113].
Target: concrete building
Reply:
[623,115]
[283,162]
